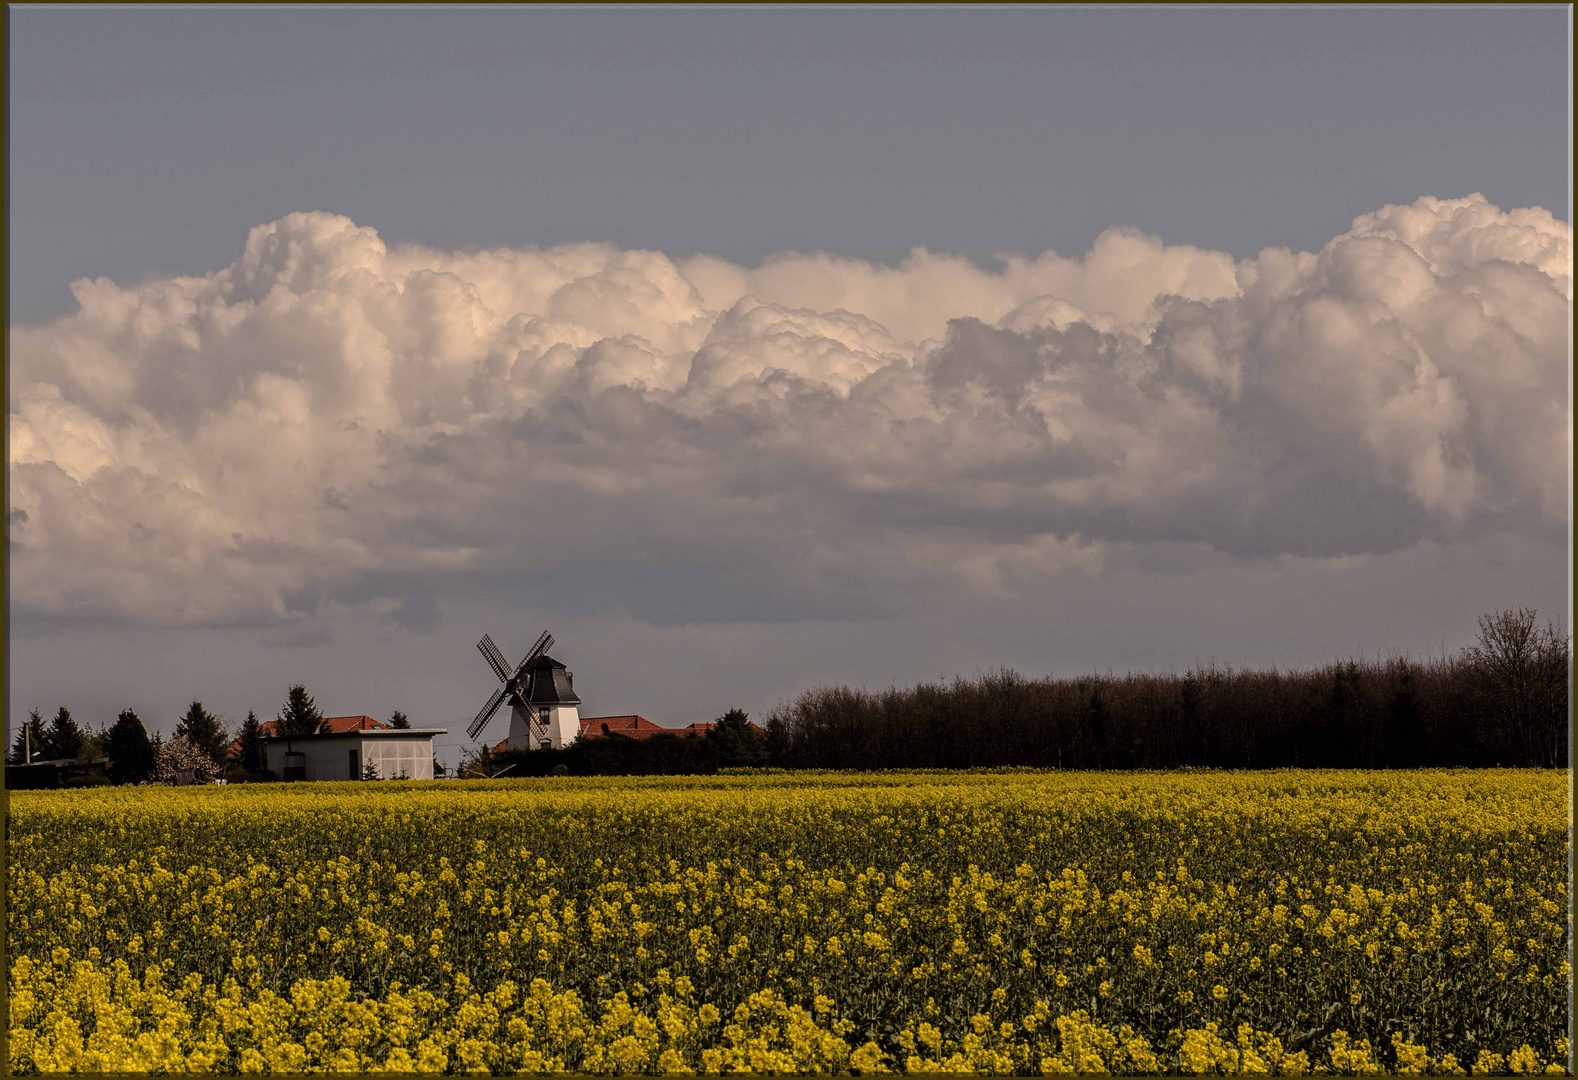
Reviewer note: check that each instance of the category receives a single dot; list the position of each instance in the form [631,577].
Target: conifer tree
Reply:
[63,738]
[739,743]
[251,749]
[29,741]
[204,731]
[300,714]
[129,750]
[399,720]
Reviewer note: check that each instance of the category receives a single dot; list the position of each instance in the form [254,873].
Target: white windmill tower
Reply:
[541,693]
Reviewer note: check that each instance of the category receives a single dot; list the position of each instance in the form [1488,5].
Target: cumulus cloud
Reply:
[331,421]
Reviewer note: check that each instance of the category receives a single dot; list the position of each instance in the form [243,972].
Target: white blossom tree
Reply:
[179,756]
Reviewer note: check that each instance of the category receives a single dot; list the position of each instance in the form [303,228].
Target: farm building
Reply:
[55,773]
[344,746]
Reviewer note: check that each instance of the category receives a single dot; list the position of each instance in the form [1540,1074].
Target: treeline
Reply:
[1502,701]
[122,752]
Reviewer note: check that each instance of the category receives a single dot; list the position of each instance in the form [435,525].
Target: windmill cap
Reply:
[552,683]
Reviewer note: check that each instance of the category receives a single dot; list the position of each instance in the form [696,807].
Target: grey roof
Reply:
[364,733]
[401,732]
[552,683]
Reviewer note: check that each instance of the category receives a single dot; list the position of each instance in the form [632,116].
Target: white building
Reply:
[395,752]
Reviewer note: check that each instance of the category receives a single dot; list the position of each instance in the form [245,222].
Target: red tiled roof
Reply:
[631,727]
[333,725]
[338,725]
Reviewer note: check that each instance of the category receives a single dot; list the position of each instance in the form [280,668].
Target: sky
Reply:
[751,350]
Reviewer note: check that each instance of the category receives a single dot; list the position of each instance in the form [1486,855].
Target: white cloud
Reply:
[329,420]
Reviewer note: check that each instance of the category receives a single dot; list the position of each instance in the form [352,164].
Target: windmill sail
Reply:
[544,643]
[487,712]
[490,653]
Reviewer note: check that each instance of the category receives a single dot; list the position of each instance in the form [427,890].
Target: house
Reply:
[628,727]
[344,746]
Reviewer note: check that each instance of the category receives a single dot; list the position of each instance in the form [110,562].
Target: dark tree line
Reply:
[1503,701]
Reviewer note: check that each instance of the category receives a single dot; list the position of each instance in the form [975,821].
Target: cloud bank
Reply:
[331,421]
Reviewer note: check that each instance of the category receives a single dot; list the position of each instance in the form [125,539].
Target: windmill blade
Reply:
[544,643]
[490,653]
[487,713]
[538,728]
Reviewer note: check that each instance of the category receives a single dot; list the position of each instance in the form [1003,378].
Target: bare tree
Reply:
[1549,695]
[1504,659]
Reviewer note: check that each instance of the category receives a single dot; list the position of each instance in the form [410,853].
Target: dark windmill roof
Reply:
[552,683]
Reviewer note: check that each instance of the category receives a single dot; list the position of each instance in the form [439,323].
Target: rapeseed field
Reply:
[1004,922]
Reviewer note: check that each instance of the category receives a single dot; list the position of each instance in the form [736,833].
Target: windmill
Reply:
[516,689]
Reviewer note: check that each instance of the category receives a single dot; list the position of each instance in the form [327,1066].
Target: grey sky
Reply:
[339,457]
[148,140]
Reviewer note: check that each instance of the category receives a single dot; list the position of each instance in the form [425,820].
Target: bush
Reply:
[661,755]
[91,780]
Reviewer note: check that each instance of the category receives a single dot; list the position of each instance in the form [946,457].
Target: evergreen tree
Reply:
[251,749]
[129,750]
[300,714]
[63,738]
[399,720]
[31,734]
[203,730]
[739,742]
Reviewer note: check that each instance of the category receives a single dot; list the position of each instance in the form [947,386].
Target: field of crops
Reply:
[996,922]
